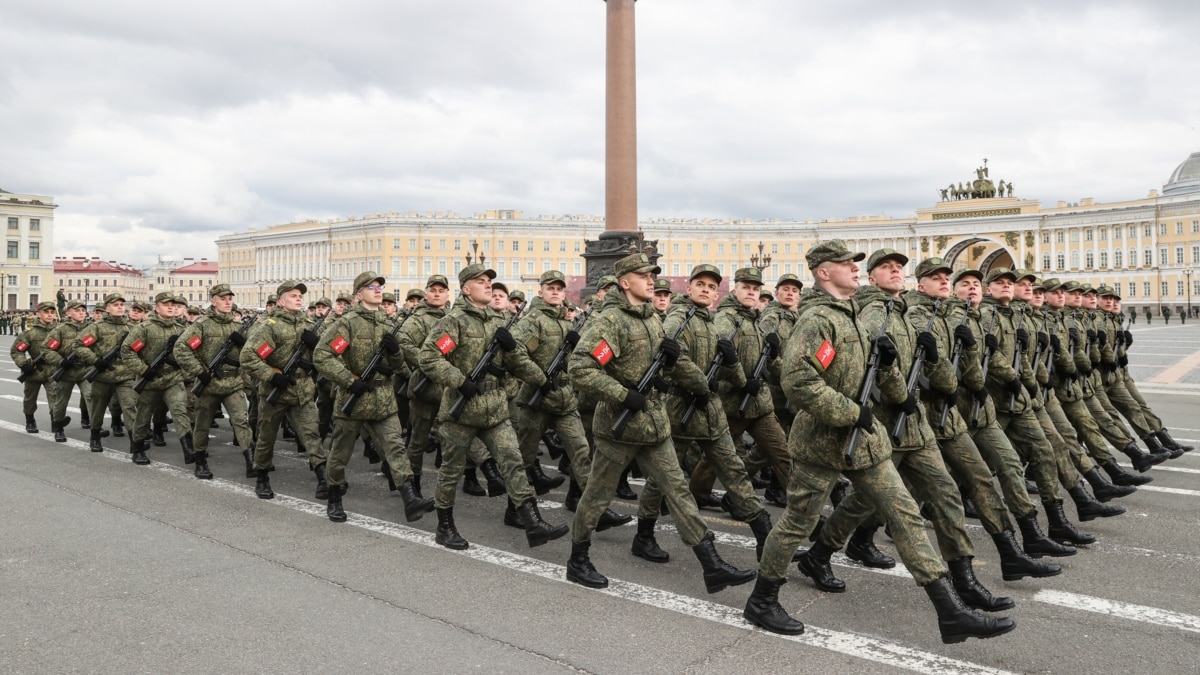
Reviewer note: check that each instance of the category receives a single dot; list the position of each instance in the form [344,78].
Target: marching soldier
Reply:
[662,297]
[113,382]
[61,345]
[150,343]
[780,318]
[28,352]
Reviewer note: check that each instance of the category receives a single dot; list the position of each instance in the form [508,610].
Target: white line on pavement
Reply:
[1121,610]
[1174,491]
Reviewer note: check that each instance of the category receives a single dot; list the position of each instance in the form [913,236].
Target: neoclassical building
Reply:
[27,268]
[1147,246]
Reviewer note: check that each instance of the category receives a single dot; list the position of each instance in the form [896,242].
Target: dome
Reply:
[1185,178]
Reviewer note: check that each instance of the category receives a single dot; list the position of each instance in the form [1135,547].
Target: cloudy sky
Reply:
[159,125]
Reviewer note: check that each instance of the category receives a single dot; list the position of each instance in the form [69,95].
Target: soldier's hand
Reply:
[505,339]
[390,344]
[928,343]
[468,389]
[728,352]
[887,351]
[772,341]
[1033,390]
[1091,336]
[952,397]
[1023,339]
[309,338]
[1122,360]
[670,352]
[237,339]
[634,401]
[171,341]
[1051,382]
[205,377]
[1056,343]
[358,388]
[384,370]
[909,405]
[753,387]
[1043,341]
[865,417]
[1128,338]
[1014,386]
[547,387]
[1073,333]
[281,381]
[991,342]
[27,368]
[571,338]
[1102,337]
[660,384]
[964,335]
[981,395]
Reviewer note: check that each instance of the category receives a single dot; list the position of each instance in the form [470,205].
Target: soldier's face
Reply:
[97,314]
[341,306]
[77,314]
[888,276]
[1116,306]
[478,291]
[936,285]
[838,278]
[553,293]
[1089,300]
[600,293]
[1002,290]
[115,308]
[137,314]
[638,286]
[47,315]
[570,315]
[410,304]
[787,295]
[703,290]
[165,310]
[389,308]
[1037,299]
[662,301]
[436,295]
[223,303]
[1074,299]
[292,301]
[969,289]
[321,310]
[1024,289]
[1056,299]
[763,301]
[746,293]
[514,305]
[499,300]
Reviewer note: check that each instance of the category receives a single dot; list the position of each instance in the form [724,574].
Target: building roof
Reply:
[202,267]
[82,265]
[1185,178]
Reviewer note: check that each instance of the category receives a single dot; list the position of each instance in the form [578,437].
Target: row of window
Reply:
[35,280]
[1102,232]
[35,250]
[1180,289]
[35,224]
[1118,258]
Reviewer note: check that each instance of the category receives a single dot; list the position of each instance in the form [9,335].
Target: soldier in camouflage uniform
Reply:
[614,352]
[823,369]
[450,352]
[662,297]
[61,344]
[145,343]
[113,383]
[364,333]
[779,317]
[28,353]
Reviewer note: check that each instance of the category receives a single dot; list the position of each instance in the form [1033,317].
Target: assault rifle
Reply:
[294,361]
[223,357]
[34,363]
[868,385]
[955,357]
[367,373]
[763,360]
[559,363]
[977,406]
[481,368]
[60,373]
[1050,369]
[914,374]
[153,371]
[1018,363]
[105,362]
[651,375]
[710,376]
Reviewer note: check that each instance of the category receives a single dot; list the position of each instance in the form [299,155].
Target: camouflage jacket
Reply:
[105,335]
[823,368]
[411,337]
[145,342]
[270,344]
[344,352]
[1000,368]
[541,333]
[198,345]
[1067,386]
[616,348]
[1085,364]
[783,323]
[942,378]
[749,343]
[28,346]
[970,370]
[698,346]
[1040,325]
[62,344]
[450,353]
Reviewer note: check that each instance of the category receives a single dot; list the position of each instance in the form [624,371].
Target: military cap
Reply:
[141,306]
[764,293]
[194,310]
[345,297]
[999,273]
[552,276]
[366,278]
[1039,285]
[324,301]
[517,295]
[1052,284]
[750,275]
[289,285]
[886,254]
[1023,273]
[436,279]
[220,289]
[635,263]
[790,279]
[234,308]
[46,305]
[474,271]
[415,293]
[500,286]
[568,304]
[706,270]
[113,297]
[662,286]
[1087,288]
[1108,291]
[388,297]
[967,273]
[180,300]
[312,305]
[930,266]
[75,303]
[1071,286]
[164,297]
[606,281]
[833,250]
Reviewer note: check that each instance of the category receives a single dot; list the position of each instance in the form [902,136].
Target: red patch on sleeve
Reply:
[825,354]
[195,342]
[602,353]
[22,346]
[137,345]
[88,340]
[446,344]
[264,350]
[53,344]
[339,344]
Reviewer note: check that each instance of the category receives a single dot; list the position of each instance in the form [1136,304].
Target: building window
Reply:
[442,266]
[562,247]
[13,249]
[1195,287]
[13,224]
[1196,255]
[12,281]
[1059,236]
[34,281]
[427,244]
[1146,288]
[457,266]
[576,268]
[412,244]
[545,265]
[1132,290]
[1178,255]
[1074,235]
[1162,229]
[1103,234]
[1116,233]
[35,250]
[1178,289]
[720,249]
[675,249]
[1162,257]
[457,244]
[516,245]
[675,269]
[529,264]
[427,265]
[1148,258]
[1061,261]
[1045,261]
[1088,260]
[35,224]
[545,247]
[1196,227]
[441,244]
[412,267]
[774,248]
[704,249]
[1074,260]
[1146,231]
[529,246]
[1045,237]
[689,249]
[1162,290]
[1087,235]
[1178,227]
[1104,258]
[787,248]
[577,247]
[395,244]
[500,268]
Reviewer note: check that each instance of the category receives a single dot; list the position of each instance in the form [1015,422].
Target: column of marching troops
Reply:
[966,394]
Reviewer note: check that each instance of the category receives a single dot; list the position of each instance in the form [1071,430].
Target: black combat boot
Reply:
[471,484]
[248,455]
[1061,529]
[416,483]
[564,464]
[956,621]
[447,535]
[322,482]
[511,517]
[202,471]
[118,428]
[30,425]
[775,494]
[969,510]
[538,531]
[138,451]
[94,441]
[1089,508]
[610,519]
[1104,490]
[495,482]
[1164,437]
[1037,544]
[85,422]
[574,492]
[644,544]
[369,451]
[262,487]
[814,564]
[1120,476]
[838,493]
[623,490]
[763,609]
[386,471]
[1142,461]
[189,450]
[1157,450]
[861,548]
[1015,565]
[60,436]
[761,527]
[156,436]
[553,444]
[539,481]
[718,574]
[414,505]
[334,509]
[580,569]
[973,593]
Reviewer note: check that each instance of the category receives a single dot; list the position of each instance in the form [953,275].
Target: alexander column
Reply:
[621,235]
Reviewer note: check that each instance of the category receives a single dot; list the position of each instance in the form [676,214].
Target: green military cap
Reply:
[1108,291]
[606,281]
[833,250]
[324,301]
[164,297]
[474,271]
[46,305]
[1052,284]
[706,270]
[194,310]
[552,276]
[1039,285]
[75,303]
[436,279]
[1071,286]
[517,295]
[388,297]
[750,275]
[999,273]
[967,273]
[289,285]
[586,299]
[662,286]
[635,263]
[273,298]
[312,305]
[366,278]
[180,300]
[345,297]
[886,254]
[568,304]
[234,308]
[500,286]
[113,297]
[415,293]
[1023,273]
[141,306]
[220,289]
[790,279]
[930,266]
[1087,288]
[764,293]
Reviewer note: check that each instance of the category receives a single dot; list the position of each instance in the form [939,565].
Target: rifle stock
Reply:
[644,384]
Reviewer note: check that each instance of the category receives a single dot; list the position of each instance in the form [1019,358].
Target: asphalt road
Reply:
[111,567]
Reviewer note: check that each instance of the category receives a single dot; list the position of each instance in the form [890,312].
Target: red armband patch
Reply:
[339,344]
[825,354]
[22,346]
[53,344]
[195,342]
[137,345]
[446,344]
[602,353]
[264,350]
[87,339]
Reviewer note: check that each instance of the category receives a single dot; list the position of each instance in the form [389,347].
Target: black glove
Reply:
[27,368]
[964,335]
[928,343]
[1023,339]
[772,341]
[468,389]
[1051,382]
[670,352]
[1091,336]
[101,365]
[358,388]
[952,397]
[991,343]
[384,370]
[495,370]
[571,338]
[281,381]
[171,341]
[909,406]
[1086,369]
[1043,341]
[1102,338]
[1056,343]
[505,339]
[310,339]
[237,339]
[1122,360]
[865,417]
[728,353]
[390,344]
[634,401]
[547,387]
[1014,386]
[1033,390]
[1073,333]
[702,402]
[204,377]
[887,351]
[752,387]
[660,384]
[981,395]
[1128,338]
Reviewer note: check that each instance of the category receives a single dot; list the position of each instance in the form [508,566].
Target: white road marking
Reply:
[1161,467]
[41,402]
[1174,491]
[1123,610]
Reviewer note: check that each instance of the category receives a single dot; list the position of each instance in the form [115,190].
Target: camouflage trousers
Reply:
[324,408]
[120,397]
[925,474]
[303,419]
[771,447]
[62,398]
[660,465]
[1131,387]
[235,408]
[173,398]
[386,434]
[998,453]
[721,454]
[1076,425]
[1125,405]
[1113,430]
[1029,440]
[501,443]
[808,489]
[966,462]
[421,421]
[569,428]
[29,402]
[1064,449]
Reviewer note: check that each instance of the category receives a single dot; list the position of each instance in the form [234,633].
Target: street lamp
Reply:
[1187,272]
[759,260]
[474,249]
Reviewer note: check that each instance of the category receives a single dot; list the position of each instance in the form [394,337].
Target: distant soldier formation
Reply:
[1001,397]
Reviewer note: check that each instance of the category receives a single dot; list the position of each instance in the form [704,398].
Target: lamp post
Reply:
[759,260]
[474,254]
[1187,273]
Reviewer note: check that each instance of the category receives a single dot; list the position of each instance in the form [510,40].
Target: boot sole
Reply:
[589,584]
[602,526]
[820,587]
[730,584]
[955,639]
[769,629]
[873,565]
[556,533]
[1018,577]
